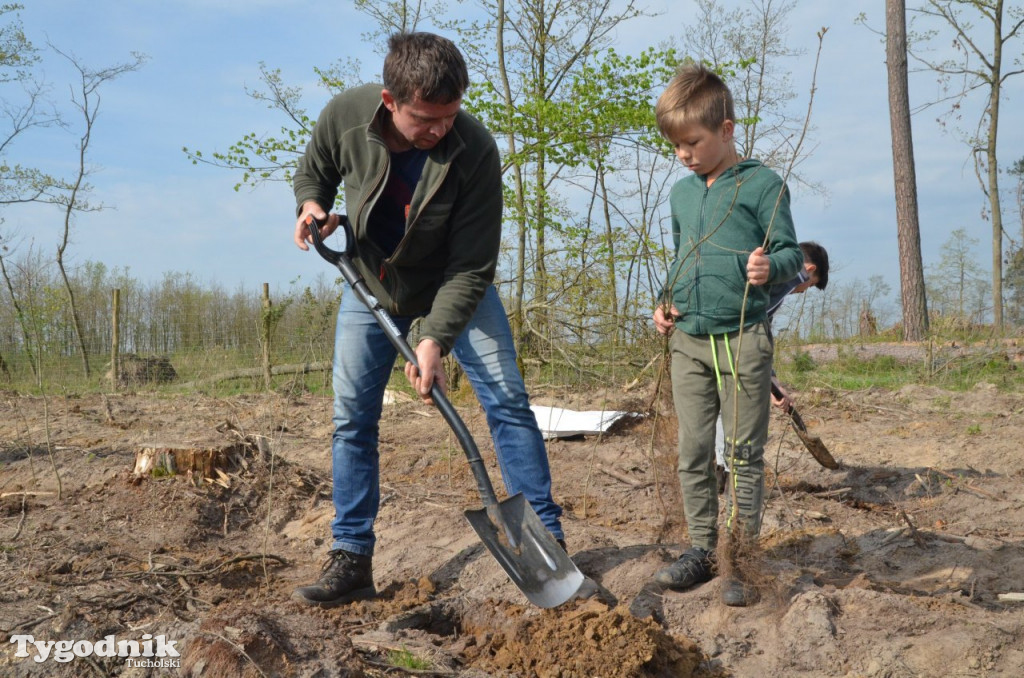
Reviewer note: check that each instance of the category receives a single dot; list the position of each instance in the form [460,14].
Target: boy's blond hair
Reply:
[694,95]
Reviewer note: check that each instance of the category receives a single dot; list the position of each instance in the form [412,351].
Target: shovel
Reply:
[812,443]
[510,529]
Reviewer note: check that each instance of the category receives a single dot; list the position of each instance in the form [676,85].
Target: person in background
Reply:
[813,274]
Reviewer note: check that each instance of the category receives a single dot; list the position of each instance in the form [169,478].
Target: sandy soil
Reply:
[896,564]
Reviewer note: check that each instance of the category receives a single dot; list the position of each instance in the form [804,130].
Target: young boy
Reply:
[734,237]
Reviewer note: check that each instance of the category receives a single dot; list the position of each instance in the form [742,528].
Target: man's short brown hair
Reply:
[424,65]
[694,95]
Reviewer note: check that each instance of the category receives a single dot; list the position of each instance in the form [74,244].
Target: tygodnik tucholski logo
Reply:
[149,652]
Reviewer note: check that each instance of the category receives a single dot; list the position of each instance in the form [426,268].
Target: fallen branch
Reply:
[29,623]
[621,477]
[413,672]
[894,534]
[378,643]
[961,483]
[831,493]
[216,568]
[942,536]
[238,648]
[913,528]
[300,368]
[633,384]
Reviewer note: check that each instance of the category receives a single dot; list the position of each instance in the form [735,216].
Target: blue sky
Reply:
[169,215]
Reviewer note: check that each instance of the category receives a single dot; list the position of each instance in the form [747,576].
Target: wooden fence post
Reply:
[115,339]
[265,328]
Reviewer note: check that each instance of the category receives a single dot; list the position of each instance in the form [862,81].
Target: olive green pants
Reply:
[743,394]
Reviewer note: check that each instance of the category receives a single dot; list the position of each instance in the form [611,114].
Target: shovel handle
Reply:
[794,416]
[798,421]
[394,335]
[777,392]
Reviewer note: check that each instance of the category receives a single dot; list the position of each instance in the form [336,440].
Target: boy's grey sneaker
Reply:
[735,593]
[695,566]
[346,577]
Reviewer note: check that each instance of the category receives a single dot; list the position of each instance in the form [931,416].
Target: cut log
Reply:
[300,368]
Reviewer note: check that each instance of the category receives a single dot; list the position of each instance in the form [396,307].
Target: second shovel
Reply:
[813,444]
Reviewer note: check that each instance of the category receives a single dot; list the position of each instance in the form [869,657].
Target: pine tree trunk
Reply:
[915,308]
[992,163]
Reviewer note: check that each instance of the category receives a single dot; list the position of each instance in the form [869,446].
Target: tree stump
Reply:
[198,464]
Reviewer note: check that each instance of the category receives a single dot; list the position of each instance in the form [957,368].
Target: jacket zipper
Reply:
[408,227]
[426,201]
[382,275]
[700,245]
[363,205]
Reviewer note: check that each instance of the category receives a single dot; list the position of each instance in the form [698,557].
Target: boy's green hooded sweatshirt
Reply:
[714,230]
[449,254]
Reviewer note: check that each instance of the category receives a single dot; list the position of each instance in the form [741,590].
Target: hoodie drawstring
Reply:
[728,355]
[714,359]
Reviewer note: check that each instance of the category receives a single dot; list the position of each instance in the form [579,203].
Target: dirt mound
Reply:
[581,641]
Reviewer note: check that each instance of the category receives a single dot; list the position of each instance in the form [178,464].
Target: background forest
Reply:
[586,243]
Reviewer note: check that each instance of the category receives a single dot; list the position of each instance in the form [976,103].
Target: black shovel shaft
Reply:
[794,416]
[358,284]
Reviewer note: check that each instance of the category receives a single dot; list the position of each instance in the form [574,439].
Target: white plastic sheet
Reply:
[558,422]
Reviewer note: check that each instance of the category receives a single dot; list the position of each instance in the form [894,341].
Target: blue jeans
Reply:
[363,361]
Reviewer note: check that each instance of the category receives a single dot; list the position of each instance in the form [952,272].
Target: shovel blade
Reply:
[812,443]
[527,552]
[817,449]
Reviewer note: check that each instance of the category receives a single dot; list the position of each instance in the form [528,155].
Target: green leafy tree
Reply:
[615,235]
[605,123]
[23,106]
[394,16]
[261,157]
[526,54]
